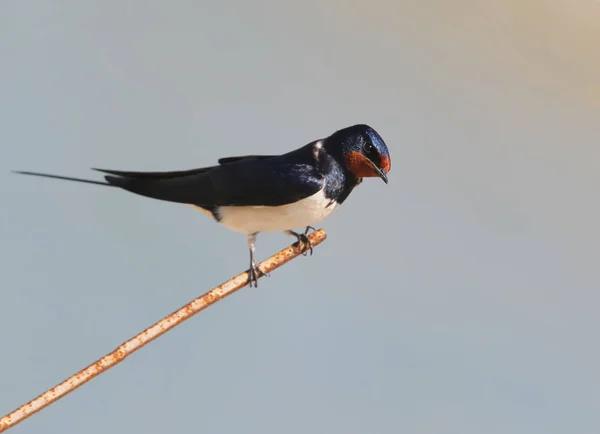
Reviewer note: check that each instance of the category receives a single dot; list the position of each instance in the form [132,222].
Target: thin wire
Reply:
[151,333]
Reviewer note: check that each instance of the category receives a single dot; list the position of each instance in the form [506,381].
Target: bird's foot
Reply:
[254,273]
[304,241]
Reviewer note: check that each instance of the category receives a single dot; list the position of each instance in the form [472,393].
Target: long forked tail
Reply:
[66,178]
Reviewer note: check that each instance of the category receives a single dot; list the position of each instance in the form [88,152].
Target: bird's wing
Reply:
[178,173]
[247,182]
[227,160]
[154,175]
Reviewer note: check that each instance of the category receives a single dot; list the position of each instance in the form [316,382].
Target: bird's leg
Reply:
[254,271]
[302,238]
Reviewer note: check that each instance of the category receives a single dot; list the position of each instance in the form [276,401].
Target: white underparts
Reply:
[251,219]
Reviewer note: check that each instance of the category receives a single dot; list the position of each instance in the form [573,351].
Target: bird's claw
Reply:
[304,241]
[254,273]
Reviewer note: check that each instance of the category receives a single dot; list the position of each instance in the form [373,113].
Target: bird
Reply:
[252,194]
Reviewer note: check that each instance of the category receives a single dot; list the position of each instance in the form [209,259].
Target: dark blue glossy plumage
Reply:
[268,181]
[258,180]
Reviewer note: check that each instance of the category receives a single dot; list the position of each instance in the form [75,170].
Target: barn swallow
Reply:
[267,193]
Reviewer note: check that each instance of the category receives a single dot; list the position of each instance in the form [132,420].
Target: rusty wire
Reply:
[151,333]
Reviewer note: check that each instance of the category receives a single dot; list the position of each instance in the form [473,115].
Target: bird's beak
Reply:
[380,173]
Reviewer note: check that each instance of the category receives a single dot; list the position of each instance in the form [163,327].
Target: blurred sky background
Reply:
[460,298]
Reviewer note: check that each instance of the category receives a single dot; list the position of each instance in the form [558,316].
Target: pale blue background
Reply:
[461,298]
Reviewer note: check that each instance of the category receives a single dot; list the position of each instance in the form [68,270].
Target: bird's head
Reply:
[364,153]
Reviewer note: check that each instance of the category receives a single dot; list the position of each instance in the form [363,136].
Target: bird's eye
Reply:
[368,147]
